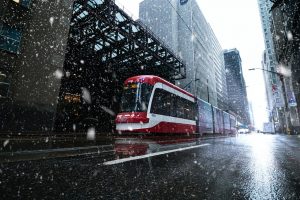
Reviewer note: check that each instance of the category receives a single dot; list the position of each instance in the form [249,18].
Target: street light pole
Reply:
[207,91]
[288,123]
[272,117]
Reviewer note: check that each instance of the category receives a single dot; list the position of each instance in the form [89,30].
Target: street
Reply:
[149,99]
[252,166]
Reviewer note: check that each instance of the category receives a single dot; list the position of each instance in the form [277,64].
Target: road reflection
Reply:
[265,180]
[136,146]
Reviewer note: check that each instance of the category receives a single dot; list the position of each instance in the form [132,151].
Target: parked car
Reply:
[243,131]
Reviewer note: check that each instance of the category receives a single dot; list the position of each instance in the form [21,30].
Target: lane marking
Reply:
[114,162]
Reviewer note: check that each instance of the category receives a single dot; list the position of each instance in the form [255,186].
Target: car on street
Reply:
[243,131]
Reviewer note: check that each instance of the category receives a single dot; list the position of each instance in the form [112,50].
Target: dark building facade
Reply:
[33,38]
[237,95]
[285,29]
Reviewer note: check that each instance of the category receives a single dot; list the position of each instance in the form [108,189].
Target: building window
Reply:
[161,102]
[9,38]
[24,3]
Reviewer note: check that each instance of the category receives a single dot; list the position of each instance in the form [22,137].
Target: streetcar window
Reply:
[166,103]
[185,109]
[191,110]
[146,91]
[173,112]
[136,97]
[180,107]
[161,103]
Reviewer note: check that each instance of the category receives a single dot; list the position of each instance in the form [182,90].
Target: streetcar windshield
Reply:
[136,97]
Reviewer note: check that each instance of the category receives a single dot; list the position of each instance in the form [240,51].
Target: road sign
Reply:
[291,99]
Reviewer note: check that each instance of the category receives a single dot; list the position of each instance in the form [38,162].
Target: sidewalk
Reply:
[23,142]
[42,146]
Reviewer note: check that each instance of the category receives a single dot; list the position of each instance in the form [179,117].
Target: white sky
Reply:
[236,24]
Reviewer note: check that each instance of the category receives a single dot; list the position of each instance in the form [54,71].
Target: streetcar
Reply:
[151,104]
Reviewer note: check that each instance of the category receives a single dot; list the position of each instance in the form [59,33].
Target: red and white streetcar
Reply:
[151,104]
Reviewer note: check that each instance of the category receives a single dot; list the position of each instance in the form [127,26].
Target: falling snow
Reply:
[51,20]
[289,35]
[109,111]
[68,74]
[5,143]
[86,95]
[58,74]
[57,77]
[284,70]
[91,134]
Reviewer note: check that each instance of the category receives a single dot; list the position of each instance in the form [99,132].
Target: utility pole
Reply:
[287,111]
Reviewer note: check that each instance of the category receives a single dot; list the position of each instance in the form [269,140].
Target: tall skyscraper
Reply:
[237,94]
[185,30]
[266,19]
[269,63]
[274,105]
[279,23]
[286,35]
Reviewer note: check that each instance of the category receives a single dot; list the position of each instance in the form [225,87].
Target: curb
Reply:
[8,157]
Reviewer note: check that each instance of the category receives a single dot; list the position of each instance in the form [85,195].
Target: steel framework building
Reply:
[104,30]
[105,47]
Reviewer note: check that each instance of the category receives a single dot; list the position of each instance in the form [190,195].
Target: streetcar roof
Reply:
[151,79]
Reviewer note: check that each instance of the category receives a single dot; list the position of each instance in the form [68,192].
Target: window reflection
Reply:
[10,38]
[25,3]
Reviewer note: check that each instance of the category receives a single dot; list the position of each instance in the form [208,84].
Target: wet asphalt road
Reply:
[253,166]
